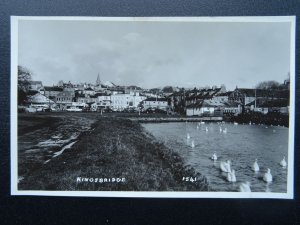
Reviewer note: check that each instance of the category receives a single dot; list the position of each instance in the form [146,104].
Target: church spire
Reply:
[98,81]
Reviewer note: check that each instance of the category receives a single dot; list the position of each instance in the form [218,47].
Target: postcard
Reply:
[167,107]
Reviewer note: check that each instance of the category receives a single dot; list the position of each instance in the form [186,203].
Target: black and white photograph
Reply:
[180,107]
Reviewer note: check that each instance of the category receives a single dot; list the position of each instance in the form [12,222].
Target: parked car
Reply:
[74,109]
[30,109]
[39,109]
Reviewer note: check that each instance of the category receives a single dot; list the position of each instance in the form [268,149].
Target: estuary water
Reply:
[241,144]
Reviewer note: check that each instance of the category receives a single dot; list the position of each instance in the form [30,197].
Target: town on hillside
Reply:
[269,97]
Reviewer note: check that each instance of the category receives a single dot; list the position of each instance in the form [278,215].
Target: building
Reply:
[156,103]
[36,86]
[124,101]
[64,99]
[259,99]
[39,99]
[52,92]
[103,100]
[205,108]
[81,98]
[88,91]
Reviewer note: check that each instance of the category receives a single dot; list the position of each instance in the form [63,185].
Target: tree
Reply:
[24,78]
[60,83]
[272,84]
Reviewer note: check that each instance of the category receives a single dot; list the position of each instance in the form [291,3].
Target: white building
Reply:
[200,110]
[123,101]
[205,108]
[36,86]
[103,100]
[156,103]
[88,91]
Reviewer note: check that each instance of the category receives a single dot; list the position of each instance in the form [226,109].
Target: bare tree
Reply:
[24,78]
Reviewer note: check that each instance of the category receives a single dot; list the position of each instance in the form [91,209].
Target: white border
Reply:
[13,121]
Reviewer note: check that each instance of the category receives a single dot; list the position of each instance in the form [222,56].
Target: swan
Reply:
[225,166]
[283,162]
[250,123]
[235,123]
[255,166]
[225,130]
[220,129]
[214,157]
[245,187]
[206,129]
[231,176]
[188,136]
[268,176]
[193,144]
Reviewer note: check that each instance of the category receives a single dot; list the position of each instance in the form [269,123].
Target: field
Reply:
[56,150]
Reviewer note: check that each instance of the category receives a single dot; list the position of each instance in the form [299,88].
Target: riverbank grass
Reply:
[115,148]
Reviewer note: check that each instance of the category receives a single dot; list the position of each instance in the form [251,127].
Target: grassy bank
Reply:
[115,147]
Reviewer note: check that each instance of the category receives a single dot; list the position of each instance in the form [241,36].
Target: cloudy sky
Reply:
[155,54]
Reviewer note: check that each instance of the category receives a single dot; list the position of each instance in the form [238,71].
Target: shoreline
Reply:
[246,118]
[174,119]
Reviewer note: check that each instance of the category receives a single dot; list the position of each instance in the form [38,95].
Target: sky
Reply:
[155,54]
